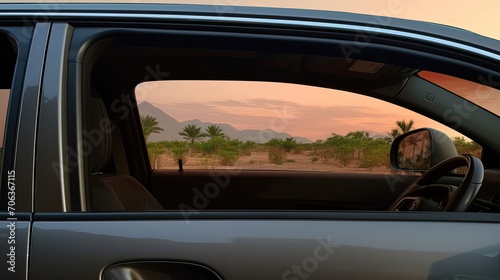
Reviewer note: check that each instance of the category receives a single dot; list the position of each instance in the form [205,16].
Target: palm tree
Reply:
[413,141]
[214,131]
[192,132]
[149,125]
[393,134]
[404,126]
[360,134]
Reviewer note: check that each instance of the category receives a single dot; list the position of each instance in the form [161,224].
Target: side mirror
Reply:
[421,149]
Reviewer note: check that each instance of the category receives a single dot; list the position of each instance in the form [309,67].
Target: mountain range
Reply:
[172,127]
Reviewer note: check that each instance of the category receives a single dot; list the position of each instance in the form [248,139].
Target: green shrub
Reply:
[344,154]
[247,148]
[227,157]
[275,142]
[226,151]
[326,153]
[375,154]
[299,149]
[289,144]
[213,145]
[276,155]
[155,151]
[314,159]
[179,150]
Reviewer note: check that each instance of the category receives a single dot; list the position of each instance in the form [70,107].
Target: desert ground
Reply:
[260,161]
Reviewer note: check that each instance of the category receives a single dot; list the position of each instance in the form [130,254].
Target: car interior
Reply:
[116,169]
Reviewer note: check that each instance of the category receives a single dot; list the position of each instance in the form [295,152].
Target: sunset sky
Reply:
[300,110]
[315,113]
[319,112]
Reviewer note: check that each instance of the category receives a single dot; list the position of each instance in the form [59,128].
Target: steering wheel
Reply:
[422,193]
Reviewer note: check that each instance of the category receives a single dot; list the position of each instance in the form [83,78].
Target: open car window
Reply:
[273,126]
[210,127]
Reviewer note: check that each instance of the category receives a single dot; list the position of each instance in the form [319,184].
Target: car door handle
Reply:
[159,270]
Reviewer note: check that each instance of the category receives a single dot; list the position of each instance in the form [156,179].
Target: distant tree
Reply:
[214,131]
[149,125]
[289,144]
[405,126]
[393,134]
[360,134]
[192,133]
[401,128]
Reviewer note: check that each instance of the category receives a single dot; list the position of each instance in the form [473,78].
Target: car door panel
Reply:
[258,249]
[14,241]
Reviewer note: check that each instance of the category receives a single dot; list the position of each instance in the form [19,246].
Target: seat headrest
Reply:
[98,133]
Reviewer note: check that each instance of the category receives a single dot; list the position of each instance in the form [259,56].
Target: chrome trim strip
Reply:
[63,29]
[283,22]
[79,142]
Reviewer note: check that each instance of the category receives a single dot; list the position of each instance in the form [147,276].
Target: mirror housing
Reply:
[420,149]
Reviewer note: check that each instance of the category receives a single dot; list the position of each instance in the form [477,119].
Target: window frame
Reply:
[20,118]
[85,36]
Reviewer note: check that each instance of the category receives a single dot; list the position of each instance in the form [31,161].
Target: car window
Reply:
[273,126]
[281,121]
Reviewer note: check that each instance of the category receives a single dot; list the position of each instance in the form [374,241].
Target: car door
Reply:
[22,57]
[70,242]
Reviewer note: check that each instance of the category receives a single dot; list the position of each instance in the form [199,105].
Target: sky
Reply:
[286,108]
[300,110]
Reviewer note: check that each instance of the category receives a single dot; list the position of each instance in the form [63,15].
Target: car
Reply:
[164,141]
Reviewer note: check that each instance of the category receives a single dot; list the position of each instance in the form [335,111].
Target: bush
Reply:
[227,157]
[314,159]
[277,155]
[155,150]
[247,147]
[344,154]
[226,151]
[375,154]
[179,150]
[326,153]
[299,149]
[275,143]
[213,145]
[289,144]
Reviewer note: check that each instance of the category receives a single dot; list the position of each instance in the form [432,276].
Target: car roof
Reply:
[275,16]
